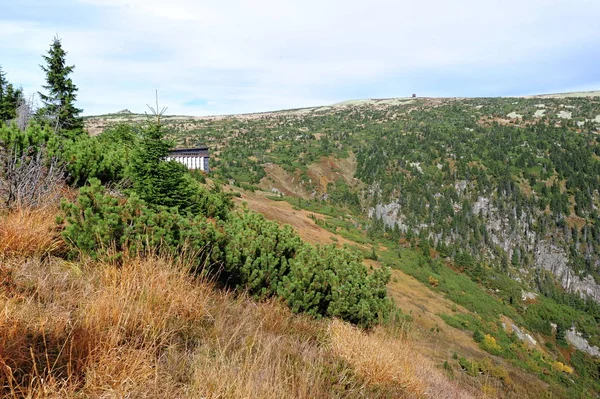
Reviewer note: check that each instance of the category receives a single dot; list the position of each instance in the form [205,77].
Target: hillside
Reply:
[166,288]
[489,204]
[301,152]
[148,328]
[395,247]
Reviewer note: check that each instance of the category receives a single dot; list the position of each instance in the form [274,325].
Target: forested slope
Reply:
[491,201]
[512,182]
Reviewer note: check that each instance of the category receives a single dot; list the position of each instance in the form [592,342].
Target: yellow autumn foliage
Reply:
[560,366]
[434,282]
[490,345]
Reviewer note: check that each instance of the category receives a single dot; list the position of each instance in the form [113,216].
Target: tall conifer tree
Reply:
[3,88]
[9,98]
[3,83]
[59,102]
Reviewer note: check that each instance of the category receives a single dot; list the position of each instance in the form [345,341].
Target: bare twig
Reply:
[157,112]
[29,179]
[25,111]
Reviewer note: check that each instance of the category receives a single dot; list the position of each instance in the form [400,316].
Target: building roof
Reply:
[197,151]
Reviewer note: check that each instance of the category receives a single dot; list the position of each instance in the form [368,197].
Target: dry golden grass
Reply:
[391,363]
[147,328]
[28,232]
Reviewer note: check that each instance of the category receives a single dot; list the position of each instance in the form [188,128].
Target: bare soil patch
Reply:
[280,180]
[299,219]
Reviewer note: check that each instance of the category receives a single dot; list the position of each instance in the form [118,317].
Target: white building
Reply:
[192,158]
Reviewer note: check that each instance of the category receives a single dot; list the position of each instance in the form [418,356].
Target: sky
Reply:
[210,57]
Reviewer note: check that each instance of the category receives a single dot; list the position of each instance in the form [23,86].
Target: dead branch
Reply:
[30,179]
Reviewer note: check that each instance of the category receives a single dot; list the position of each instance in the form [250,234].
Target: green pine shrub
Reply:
[329,281]
[258,252]
[169,184]
[24,142]
[478,336]
[157,182]
[246,252]
[104,157]
[98,224]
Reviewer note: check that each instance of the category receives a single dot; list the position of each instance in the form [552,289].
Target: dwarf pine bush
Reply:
[258,252]
[98,224]
[246,252]
[329,281]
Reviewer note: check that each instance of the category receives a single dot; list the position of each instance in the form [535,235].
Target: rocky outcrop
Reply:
[549,256]
[554,259]
[574,338]
[528,296]
[524,336]
[390,214]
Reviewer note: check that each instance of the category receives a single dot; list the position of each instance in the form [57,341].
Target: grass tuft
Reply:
[26,232]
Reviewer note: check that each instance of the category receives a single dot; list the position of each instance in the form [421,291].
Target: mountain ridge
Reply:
[365,101]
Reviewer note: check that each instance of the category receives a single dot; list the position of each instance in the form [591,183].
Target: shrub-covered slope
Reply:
[492,202]
[146,327]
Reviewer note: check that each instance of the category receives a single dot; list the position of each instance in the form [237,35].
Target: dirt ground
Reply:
[326,170]
[300,220]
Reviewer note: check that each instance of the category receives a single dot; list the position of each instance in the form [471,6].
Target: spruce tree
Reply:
[59,102]
[9,98]
[156,181]
[3,84]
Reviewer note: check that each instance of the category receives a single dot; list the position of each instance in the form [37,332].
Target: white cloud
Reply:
[263,54]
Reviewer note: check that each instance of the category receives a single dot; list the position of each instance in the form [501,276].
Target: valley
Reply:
[307,200]
[473,203]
